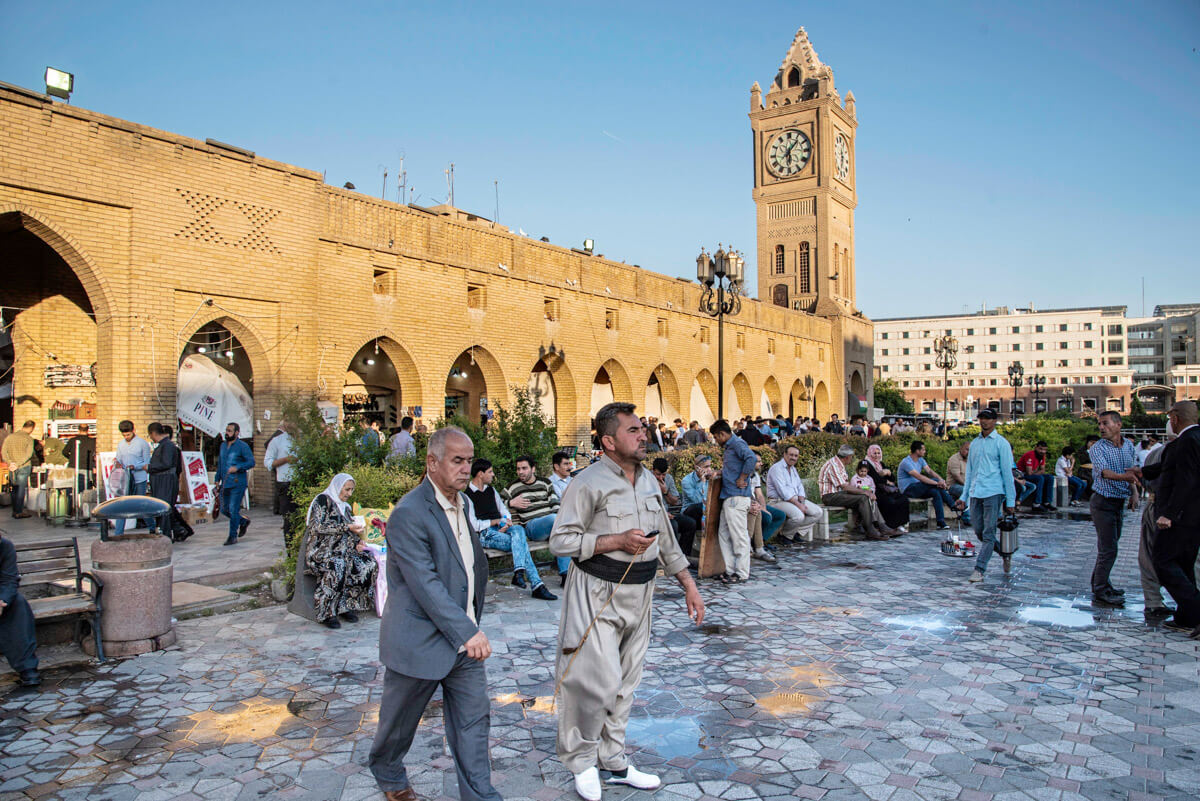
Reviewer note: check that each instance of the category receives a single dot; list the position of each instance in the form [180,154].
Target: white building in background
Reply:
[1162,355]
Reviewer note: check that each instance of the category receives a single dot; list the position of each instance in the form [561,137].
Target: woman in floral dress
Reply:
[337,557]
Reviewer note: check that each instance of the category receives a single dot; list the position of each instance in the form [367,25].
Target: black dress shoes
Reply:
[562,579]
[245,524]
[542,594]
[349,617]
[1157,614]
[1108,600]
[31,678]
[331,623]
[519,579]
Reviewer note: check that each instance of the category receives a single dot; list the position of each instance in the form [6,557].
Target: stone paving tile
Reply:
[854,670]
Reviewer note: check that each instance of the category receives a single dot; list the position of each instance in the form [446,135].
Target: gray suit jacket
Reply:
[425,621]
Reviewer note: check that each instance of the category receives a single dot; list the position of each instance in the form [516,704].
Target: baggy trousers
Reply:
[597,681]
[1151,587]
[467,711]
[1175,551]
[18,636]
[734,536]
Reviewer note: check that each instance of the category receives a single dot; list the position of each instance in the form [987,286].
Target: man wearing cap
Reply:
[988,485]
[614,526]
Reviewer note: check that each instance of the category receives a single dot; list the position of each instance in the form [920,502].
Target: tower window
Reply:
[793,78]
[805,278]
[779,295]
[779,260]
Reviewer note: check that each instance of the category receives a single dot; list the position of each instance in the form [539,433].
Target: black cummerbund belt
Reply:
[609,569]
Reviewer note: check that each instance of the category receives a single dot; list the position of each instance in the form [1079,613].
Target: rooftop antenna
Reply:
[496,216]
[450,182]
[402,181]
[383,189]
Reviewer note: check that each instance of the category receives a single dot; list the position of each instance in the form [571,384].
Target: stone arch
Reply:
[566,393]
[408,377]
[18,216]
[773,396]
[741,397]
[251,341]
[493,385]
[662,394]
[797,401]
[821,395]
[702,400]
[618,376]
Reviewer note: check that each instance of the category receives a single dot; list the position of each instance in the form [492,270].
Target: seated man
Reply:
[1065,468]
[1033,465]
[560,473]
[491,519]
[836,490]
[695,491]
[956,475]
[785,491]
[534,505]
[918,480]
[764,520]
[684,525]
[18,641]
[1024,489]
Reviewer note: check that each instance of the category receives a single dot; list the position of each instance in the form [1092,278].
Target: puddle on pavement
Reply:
[538,703]
[1058,612]
[261,717]
[798,691]
[667,737]
[931,623]
[851,565]
[723,630]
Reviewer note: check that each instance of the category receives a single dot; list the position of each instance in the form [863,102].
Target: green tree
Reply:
[1136,409]
[518,429]
[890,398]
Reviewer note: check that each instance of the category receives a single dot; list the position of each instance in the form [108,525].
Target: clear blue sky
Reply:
[1007,153]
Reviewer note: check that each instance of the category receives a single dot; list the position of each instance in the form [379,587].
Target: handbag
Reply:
[216,512]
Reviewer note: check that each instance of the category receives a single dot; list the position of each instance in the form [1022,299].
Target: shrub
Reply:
[517,430]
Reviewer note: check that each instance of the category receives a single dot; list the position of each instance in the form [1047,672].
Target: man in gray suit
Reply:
[437,574]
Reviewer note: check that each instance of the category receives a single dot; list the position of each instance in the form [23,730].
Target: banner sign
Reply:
[195,475]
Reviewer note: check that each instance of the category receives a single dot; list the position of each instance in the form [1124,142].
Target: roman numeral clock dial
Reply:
[787,153]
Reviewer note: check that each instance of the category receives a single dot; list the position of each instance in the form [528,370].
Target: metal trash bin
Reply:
[137,574]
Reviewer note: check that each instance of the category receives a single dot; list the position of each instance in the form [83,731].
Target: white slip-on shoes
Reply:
[587,784]
[634,778]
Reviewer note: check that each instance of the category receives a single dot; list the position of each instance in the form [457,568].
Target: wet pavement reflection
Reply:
[851,671]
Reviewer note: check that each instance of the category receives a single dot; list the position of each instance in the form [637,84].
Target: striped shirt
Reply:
[1106,456]
[833,477]
[543,500]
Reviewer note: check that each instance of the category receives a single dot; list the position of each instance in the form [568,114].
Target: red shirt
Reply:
[1031,462]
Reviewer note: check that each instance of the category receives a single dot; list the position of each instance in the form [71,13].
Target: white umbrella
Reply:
[210,397]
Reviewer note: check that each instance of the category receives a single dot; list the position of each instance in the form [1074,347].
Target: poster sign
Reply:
[107,460]
[417,412]
[195,474]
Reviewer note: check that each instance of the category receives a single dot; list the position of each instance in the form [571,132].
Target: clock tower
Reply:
[804,137]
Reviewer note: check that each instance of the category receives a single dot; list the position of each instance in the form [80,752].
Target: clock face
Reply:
[841,156]
[788,152]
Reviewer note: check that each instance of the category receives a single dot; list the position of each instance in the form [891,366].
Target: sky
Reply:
[1007,153]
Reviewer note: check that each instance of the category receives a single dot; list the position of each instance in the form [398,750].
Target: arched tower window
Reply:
[793,78]
[779,259]
[805,277]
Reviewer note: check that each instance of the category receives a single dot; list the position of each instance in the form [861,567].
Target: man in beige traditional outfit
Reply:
[606,514]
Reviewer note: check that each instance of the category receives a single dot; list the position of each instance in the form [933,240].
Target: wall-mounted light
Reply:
[202,349]
[228,354]
[59,83]
[370,362]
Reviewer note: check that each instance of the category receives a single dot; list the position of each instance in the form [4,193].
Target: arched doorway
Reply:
[798,405]
[856,404]
[741,400]
[56,347]
[821,394]
[662,395]
[541,387]
[702,401]
[219,347]
[372,389]
[474,385]
[772,400]
[611,383]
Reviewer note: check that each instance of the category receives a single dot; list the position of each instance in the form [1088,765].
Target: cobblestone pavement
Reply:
[856,670]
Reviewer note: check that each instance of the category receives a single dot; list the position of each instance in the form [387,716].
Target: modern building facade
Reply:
[1071,359]
[1163,355]
[125,249]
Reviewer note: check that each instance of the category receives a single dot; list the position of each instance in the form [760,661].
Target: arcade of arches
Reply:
[124,249]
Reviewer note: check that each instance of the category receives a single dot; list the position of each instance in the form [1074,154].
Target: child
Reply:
[1065,468]
[862,479]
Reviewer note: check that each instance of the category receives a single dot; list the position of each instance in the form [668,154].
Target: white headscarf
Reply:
[334,493]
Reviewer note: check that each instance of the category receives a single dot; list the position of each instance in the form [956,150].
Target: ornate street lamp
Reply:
[947,359]
[1069,395]
[1036,382]
[1016,376]
[721,274]
[808,390]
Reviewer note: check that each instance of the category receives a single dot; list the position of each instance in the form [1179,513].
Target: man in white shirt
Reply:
[785,491]
[278,459]
[560,475]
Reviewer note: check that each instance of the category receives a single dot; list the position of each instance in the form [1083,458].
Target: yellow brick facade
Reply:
[165,234]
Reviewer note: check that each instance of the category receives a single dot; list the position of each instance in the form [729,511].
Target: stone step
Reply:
[192,599]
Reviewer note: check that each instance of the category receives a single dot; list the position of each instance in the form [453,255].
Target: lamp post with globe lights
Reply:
[1016,377]
[947,359]
[722,275]
[1036,382]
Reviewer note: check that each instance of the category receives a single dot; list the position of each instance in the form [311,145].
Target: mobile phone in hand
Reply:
[651,534]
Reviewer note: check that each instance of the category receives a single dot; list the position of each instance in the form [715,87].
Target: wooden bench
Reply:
[921,505]
[51,564]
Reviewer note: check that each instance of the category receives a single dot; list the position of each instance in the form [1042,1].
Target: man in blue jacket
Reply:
[233,463]
[988,487]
